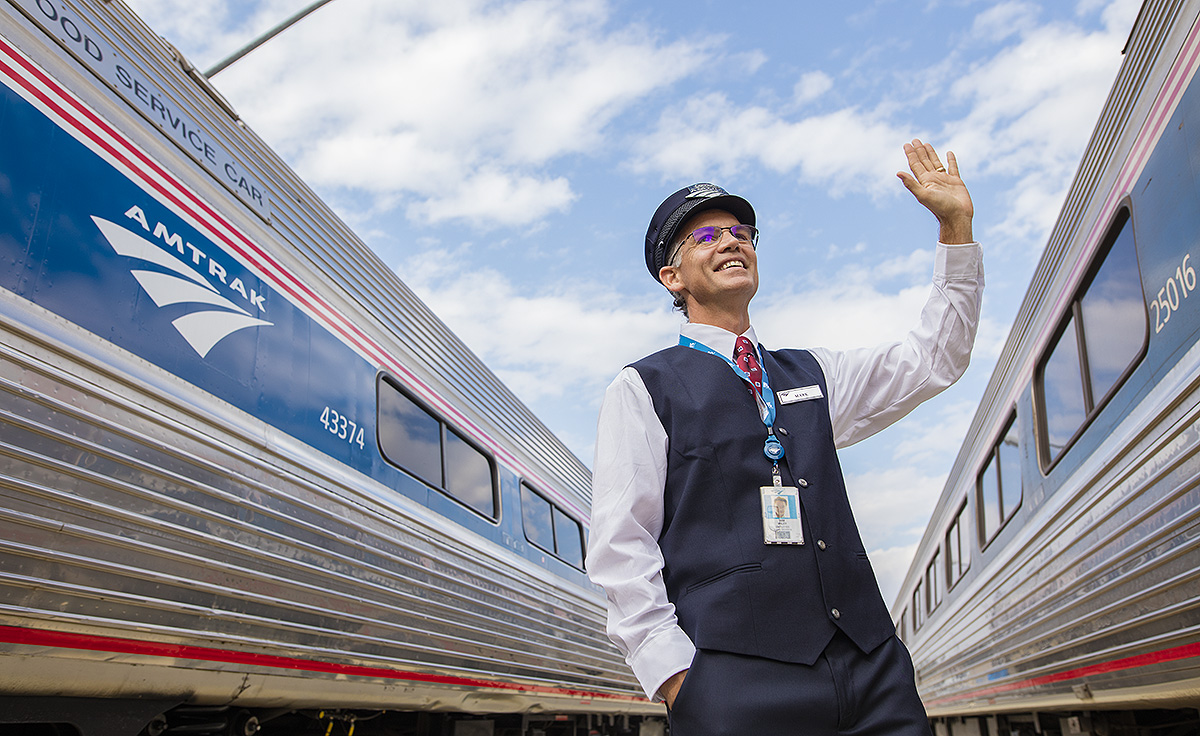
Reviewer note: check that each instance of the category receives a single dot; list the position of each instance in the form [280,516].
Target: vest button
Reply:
[783,431]
[836,613]
[802,483]
[821,544]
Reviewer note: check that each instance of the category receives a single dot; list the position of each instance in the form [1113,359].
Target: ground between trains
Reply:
[115,718]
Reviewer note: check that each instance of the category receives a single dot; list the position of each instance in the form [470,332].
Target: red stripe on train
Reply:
[114,645]
[1161,656]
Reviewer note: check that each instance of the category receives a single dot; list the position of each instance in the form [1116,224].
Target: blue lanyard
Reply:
[772,447]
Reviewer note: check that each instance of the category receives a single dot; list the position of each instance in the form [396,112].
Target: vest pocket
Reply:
[749,567]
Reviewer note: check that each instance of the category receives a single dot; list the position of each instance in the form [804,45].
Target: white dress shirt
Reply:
[868,389]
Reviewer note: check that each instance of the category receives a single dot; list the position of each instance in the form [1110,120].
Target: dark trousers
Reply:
[844,693]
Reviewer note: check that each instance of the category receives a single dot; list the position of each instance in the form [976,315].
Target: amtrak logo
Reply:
[203,327]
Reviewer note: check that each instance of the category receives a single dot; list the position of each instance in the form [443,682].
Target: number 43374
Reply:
[342,427]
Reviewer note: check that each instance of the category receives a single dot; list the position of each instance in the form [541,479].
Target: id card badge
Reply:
[781,515]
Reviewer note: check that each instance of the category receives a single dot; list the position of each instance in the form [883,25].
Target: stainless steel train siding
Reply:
[1057,587]
[177,522]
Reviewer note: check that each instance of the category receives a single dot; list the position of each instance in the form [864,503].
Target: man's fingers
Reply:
[910,183]
[915,153]
[923,159]
[951,163]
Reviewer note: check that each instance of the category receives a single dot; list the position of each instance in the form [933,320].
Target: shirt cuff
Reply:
[660,657]
[960,260]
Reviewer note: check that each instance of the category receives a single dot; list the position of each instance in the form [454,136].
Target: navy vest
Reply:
[731,591]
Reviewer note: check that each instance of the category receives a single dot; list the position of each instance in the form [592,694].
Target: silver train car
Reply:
[248,481]
[1056,589]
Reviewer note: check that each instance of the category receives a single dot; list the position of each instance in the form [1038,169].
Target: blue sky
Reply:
[505,157]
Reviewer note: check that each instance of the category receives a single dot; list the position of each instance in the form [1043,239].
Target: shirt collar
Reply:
[718,339]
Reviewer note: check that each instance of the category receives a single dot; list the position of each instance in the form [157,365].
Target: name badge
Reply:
[805,393]
[781,515]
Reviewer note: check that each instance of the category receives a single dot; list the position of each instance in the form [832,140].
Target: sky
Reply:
[504,158]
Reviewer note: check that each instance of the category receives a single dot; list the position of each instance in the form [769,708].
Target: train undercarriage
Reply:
[1159,722]
[48,716]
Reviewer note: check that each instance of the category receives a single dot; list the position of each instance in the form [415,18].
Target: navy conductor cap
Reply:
[681,205]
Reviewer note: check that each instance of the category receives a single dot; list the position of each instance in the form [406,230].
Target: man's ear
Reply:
[669,276]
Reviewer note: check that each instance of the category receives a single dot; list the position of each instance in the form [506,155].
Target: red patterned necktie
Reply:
[747,360]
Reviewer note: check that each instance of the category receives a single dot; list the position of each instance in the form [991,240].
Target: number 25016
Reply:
[1179,285]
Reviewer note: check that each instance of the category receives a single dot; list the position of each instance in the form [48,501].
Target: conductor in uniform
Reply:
[742,622]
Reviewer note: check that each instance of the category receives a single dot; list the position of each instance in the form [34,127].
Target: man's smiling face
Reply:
[721,275]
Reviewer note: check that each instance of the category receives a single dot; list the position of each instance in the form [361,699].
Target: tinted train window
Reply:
[958,550]
[409,436]
[1062,391]
[999,486]
[469,475]
[535,514]
[918,606]
[550,528]
[933,581]
[568,540]
[1114,320]
[417,441]
[1100,339]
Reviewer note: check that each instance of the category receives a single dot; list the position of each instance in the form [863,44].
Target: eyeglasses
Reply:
[744,234]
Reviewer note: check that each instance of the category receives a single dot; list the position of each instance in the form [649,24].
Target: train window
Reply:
[1062,390]
[958,550]
[1099,341]
[918,606]
[549,527]
[469,475]
[1114,320]
[535,514]
[933,580]
[568,538]
[989,497]
[414,439]
[999,486]
[409,436]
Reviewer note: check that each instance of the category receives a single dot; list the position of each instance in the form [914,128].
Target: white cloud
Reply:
[213,29]
[1118,15]
[570,340]
[1031,108]
[811,86]
[892,505]
[850,308]
[454,109]
[1002,20]
[891,565]
[491,197]
[846,149]
[936,437]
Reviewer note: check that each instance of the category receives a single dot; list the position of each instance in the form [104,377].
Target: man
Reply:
[697,441]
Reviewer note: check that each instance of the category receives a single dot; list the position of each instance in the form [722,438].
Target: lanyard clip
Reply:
[772,448]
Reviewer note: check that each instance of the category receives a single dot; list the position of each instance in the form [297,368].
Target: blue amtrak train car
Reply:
[247,479]
[1057,587]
